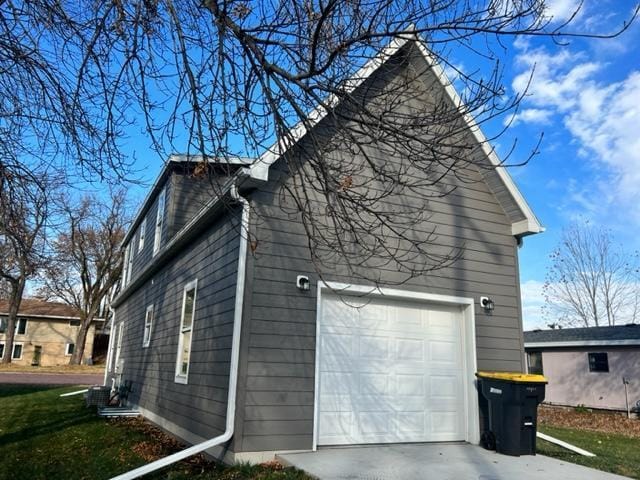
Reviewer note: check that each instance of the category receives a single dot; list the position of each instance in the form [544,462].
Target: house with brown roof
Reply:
[45,333]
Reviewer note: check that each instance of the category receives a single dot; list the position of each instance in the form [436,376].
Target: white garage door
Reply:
[390,371]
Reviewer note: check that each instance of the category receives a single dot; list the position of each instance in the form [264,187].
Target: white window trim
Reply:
[66,348]
[26,325]
[192,285]
[119,344]
[15,344]
[3,345]
[146,340]
[468,337]
[157,237]
[142,234]
[125,268]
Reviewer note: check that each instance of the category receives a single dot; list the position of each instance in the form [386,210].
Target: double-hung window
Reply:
[148,326]
[186,331]
[20,325]
[69,349]
[157,238]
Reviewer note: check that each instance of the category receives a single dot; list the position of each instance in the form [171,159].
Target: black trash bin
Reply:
[512,410]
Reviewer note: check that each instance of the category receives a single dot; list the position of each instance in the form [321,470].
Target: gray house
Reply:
[588,366]
[224,340]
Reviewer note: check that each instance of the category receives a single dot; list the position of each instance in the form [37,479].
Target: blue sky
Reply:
[585,98]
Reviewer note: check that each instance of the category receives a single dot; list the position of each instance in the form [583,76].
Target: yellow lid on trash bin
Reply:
[515,377]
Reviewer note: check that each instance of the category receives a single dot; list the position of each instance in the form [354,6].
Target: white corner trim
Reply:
[466,304]
[583,343]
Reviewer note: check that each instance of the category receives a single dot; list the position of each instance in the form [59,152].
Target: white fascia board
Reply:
[583,343]
[530,225]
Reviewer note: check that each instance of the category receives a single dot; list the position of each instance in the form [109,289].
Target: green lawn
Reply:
[43,436]
[614,453]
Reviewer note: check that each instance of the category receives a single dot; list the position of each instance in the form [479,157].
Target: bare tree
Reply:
[592,280]
[23,221]
[86,261]
[232,78]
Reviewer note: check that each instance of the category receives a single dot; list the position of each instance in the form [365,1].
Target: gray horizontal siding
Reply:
[199,406]
[278,371]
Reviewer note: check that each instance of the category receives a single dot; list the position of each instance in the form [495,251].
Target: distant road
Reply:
[51,378]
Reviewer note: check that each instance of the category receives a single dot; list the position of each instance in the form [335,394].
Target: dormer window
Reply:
[159,222]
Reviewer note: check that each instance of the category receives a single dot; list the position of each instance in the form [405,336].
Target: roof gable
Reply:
[523,220]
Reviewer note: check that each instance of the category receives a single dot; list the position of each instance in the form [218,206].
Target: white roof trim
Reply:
[583,343]
[52,317]
[260,168]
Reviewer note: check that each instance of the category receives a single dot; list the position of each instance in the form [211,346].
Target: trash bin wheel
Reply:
[488,440]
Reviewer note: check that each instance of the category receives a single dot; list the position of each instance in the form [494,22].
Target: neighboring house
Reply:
[218,339]
[586,366]
[45,333]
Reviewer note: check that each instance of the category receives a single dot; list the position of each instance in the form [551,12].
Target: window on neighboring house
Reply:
[141,235]
[148,326]
[598,362]
[20,328]
[534,360]
[70,348]
[159,222]
[74,323]
[186,330]
[1,350]
[17,351]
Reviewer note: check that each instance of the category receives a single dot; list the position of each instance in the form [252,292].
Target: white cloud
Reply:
[530,115]
[602,118]
[559,11]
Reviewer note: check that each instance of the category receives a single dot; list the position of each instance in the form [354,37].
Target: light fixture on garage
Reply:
[487,304]
[302,282]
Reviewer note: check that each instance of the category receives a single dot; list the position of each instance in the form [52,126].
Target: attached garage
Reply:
[393,367]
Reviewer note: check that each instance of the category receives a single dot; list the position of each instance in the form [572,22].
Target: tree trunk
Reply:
[81,339]
[15,299]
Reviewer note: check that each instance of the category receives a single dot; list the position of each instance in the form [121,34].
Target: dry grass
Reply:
[75,369]
[594,421]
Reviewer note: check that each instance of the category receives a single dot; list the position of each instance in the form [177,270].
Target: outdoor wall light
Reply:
[487,304]
[303,283]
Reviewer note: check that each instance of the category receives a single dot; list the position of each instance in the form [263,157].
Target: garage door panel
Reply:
[391,372]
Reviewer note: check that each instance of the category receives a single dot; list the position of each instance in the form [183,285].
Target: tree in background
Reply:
[592,280]
[24,213]
[86,260]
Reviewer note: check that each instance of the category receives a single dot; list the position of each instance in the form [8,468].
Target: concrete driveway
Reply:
[51,378]
[434,462]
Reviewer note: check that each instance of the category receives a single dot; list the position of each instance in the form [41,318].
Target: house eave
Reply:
[583,343]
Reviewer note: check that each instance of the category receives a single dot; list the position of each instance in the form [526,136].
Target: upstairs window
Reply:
[534,359]
[598,362]
[148,326]
[130,265]
[159,222]
[74,323]
[125,268]
[20,328]
[141,235]
[186,329]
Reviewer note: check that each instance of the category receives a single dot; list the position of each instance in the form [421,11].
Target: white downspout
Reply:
[112,335]
[235,357]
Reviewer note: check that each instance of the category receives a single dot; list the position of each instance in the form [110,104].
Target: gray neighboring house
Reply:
[586,366]
[217,340]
